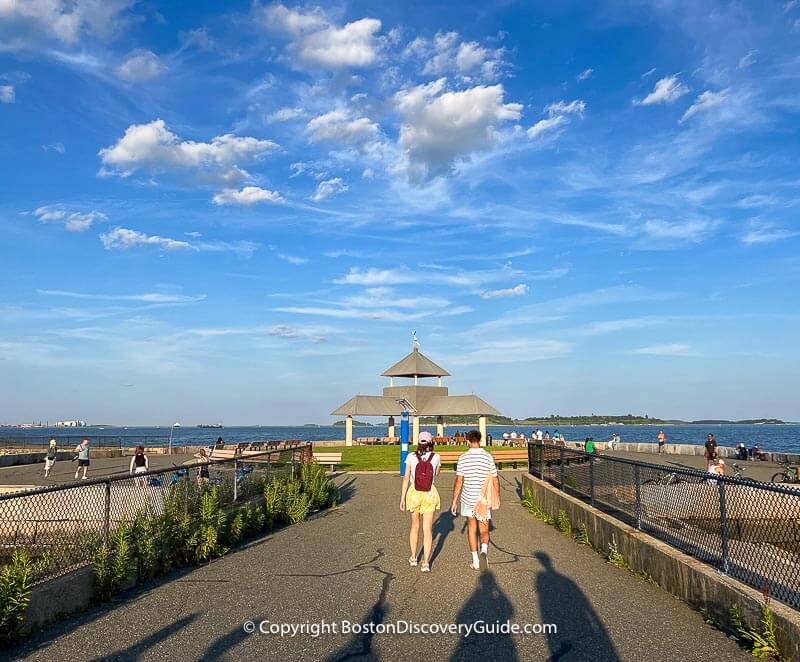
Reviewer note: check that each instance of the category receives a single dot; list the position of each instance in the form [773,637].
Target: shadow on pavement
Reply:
[442,527]
[136,651]
[346,491]
[487,603]
[581,634]
[217,648]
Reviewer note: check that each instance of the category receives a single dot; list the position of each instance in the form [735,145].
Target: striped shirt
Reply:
[474,466]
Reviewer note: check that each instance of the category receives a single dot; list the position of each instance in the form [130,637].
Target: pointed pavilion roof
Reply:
[416,364]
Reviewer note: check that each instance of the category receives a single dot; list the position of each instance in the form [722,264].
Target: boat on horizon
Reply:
[211,426]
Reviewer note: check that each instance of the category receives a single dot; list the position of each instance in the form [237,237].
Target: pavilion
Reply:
[427,399]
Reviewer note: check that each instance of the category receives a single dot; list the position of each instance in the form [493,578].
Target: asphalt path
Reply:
[349,564]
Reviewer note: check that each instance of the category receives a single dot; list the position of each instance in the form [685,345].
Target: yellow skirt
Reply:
[422,502]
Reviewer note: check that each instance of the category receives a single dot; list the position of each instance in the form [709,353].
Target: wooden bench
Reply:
[330,459]
[513,457]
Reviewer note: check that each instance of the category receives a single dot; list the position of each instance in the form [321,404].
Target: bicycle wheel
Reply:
[778,478]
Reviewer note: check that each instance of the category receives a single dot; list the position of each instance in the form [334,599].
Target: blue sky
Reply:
[239,211]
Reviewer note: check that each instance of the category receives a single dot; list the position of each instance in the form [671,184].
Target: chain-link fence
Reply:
[69,441]
[747,529]
[61,526]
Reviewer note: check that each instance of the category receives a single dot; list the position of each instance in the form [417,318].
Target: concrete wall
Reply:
[683,576]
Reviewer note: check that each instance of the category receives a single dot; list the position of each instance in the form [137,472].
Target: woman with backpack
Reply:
[420,497]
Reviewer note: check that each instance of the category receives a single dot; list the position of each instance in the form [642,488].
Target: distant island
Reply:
[360,424]
[595,419]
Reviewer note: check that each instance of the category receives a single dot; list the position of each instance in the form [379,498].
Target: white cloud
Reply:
[762,232]
[296,333]
[669,349]
[24,23]
[386,297]
[613,326]
[338,126]
[546,125]
[72,221]
[315,40]
[516,291]
[446,53]
[667,90]
[558,113]
[693,230]
[748,60]
[7,94]
[149,297]
[54,147]
[124,239]
[583,75]
[249,195]
[285,115]
[512,351]
[373,277]
[140,66]
[292,259]
[705,102]
[329,187]
[155,149]
[441,128]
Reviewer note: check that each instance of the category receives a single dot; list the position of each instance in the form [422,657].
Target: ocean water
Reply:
[768,437]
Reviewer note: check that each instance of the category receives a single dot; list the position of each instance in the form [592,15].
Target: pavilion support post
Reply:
[482,427]
[415,438]
[440,426]
[391,427]
[348,426]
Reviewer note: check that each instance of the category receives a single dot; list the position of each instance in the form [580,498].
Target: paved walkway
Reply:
[350,563]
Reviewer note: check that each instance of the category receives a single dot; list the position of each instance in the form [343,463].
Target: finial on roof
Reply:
[414,341]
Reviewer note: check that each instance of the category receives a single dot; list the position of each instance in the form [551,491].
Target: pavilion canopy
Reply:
[416,364]
[442,405]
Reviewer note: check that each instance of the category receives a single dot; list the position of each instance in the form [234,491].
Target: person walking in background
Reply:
[711,450]
[474,470]
[202,472]
[50,458]
[662,439]
[82,450]
[139,464]
[420,497]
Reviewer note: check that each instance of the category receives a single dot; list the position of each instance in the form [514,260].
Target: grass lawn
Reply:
[373,458]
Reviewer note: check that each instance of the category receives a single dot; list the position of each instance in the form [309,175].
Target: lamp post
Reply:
[171,430]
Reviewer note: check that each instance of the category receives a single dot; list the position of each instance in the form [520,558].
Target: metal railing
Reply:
[60,526]
[746,529]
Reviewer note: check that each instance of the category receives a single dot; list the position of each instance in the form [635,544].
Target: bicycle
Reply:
[665,479]
[788,475]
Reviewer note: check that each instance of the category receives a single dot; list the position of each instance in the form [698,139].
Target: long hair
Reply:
[428,449]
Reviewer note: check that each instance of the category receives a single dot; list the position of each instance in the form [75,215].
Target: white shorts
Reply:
[48,464]
[140,470]
[467,511]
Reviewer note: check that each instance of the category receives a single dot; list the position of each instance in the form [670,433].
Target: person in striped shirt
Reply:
[474,467]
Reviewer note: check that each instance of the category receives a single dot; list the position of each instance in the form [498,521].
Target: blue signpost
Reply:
[403,441]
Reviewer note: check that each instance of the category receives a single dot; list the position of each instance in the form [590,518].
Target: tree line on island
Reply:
[592,419]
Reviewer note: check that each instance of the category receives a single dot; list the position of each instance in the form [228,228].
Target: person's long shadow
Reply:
[581,634]
[442,527]
[140,649]
[487,603]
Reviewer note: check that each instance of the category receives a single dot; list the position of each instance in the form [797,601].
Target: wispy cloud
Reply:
[705,102]
[147,297]
[516,291]
[73,221]
[668,349]
[667,90]
[763,232]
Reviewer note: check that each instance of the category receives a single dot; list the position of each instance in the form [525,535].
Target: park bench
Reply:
[330,459]
[513,457]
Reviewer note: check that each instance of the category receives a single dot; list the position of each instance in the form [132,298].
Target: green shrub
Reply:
[582,537]
[763,644]
[143,545]
[320,489]
[563,522]
[614,556]
[530,503]
[205,542]
[275,501]
[16,580]
[297,507]
[112,565]
[236,527]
